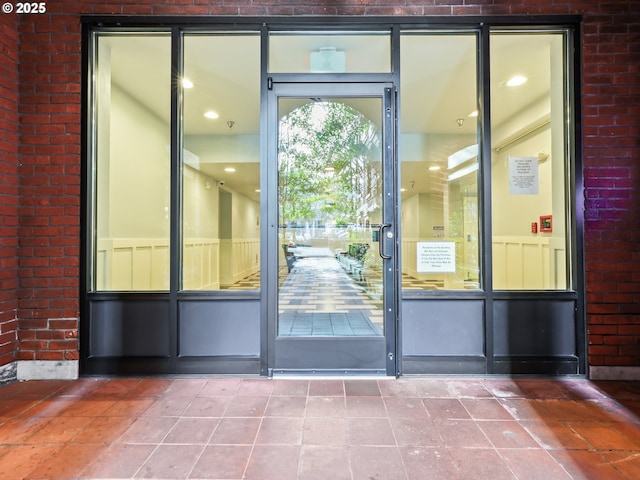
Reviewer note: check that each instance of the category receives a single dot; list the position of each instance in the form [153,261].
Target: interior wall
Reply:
[410,216]
[513,214]
[246,217]
[431,214]
[103,140]
[135,194]
[523,259]
[225,217]
[231,149]
[139,190]
[200,205]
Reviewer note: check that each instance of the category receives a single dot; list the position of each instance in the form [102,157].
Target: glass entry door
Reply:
[334,296]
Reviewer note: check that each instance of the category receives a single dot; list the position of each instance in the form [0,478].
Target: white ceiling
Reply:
[438,87]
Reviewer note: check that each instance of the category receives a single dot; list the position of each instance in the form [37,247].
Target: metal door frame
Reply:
[308,355]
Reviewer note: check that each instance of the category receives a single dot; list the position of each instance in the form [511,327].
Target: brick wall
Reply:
[611,106]
[9,121]
[50,156]
[49,185]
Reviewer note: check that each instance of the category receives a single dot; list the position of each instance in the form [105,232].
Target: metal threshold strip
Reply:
[328,373]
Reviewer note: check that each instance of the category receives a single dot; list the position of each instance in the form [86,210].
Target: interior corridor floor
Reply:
[326,429]
[318,298]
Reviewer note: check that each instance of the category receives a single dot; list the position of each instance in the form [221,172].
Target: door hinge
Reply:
[269,83]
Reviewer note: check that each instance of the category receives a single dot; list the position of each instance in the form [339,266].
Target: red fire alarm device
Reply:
[546,223]
[534,227]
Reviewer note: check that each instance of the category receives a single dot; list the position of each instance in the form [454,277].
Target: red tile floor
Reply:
[371,429]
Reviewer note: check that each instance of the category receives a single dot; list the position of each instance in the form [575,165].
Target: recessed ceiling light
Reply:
[186,83]
[230,169]
[211,115]
[403,189]
[473,114]
[257,190]
[434,168]
[516,81]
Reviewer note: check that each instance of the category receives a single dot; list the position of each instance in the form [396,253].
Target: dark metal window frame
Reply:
[177,26]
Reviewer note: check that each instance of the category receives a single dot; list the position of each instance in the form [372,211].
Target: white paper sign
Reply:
[436,257]
[523,175]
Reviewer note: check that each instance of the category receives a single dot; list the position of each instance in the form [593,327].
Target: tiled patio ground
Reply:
[326,429]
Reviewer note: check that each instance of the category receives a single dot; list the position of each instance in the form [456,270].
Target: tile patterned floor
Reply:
[252,282]
[319,298]
[321,285]
[351,429]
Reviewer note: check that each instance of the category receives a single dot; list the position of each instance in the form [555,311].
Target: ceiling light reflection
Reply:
[516,81]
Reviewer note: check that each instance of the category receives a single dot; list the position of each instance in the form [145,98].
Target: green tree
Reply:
[328,165]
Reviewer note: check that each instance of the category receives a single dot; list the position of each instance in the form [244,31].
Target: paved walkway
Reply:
[259,429]
[318,298]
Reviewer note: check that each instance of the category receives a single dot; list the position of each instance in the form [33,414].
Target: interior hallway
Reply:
[262,429]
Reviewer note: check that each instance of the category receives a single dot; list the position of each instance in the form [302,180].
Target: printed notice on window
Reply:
[523,175]
[436,257]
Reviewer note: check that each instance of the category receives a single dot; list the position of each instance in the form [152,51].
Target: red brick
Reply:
[50,335]
[72,355]
[9,147]
[38,346]
[63,345]
[8,338]
[49,355]
[64,324]
[600,330]
[23,355]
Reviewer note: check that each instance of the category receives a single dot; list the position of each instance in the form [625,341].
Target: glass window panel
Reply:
[221,162]
[529,161]
[132,76]
[329,199]
[439,161]
[339,52]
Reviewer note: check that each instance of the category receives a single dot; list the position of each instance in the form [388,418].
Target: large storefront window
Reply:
[439,161]
[438,153]
[221,162]
[132,161]
[529,164]
[387,196]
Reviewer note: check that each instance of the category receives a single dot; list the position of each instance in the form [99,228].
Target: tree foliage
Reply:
[328,165]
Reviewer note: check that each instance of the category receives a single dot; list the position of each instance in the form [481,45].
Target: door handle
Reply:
[380,238]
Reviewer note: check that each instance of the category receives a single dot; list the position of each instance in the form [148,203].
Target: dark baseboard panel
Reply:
[223,365]
[521,365]
[124,366]
[150,366]
[440,365]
